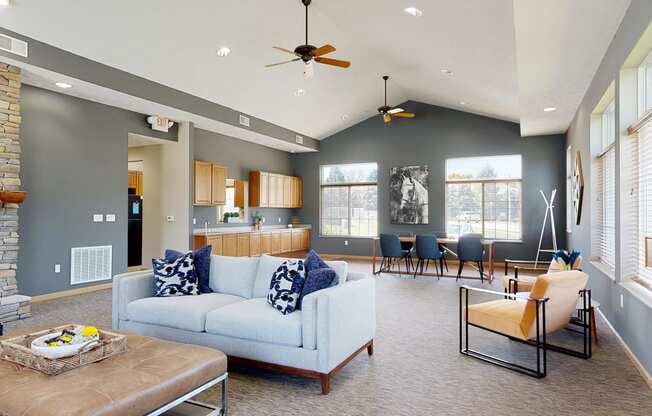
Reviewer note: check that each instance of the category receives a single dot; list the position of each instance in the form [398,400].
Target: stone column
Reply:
[12,305]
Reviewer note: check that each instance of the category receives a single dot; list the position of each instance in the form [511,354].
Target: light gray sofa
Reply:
[333,326]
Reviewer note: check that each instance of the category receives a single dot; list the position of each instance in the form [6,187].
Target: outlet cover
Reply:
[57,268]
[194,221]
[346,242]
[110,217]
[170,218]
[98,218]
[622,301]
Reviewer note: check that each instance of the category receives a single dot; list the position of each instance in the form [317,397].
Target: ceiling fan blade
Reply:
[281,63]
[326,49]
[396,110]
[333,62]
[405,115]
[278,48]
[387,118]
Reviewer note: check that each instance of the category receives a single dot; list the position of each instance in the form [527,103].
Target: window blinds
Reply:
[644,198]
[604,246]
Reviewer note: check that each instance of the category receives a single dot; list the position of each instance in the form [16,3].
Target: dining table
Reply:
[445,242]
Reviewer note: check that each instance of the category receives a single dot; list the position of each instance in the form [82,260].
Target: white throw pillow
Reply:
[266,268]
[233,275]
[341,268]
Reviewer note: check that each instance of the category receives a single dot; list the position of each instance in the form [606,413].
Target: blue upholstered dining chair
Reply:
[393,253]
[428,249]
[469,248]
[442,247]
[407,245]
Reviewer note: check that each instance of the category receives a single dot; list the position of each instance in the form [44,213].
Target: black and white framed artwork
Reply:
[408,199]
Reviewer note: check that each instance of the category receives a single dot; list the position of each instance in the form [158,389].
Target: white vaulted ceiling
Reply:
[510,59]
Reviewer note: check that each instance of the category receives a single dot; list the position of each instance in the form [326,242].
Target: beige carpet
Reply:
[416,369]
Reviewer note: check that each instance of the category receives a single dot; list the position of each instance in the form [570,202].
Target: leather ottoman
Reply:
[152,377]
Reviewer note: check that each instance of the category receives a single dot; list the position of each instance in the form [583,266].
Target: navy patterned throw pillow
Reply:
[318,279]
[286,285]
[176,277]
[202,261]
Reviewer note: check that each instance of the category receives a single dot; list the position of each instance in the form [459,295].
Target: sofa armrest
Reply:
[353,276]
[341,320]
[128,287]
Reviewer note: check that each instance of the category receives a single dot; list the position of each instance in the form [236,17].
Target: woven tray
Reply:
[18,350]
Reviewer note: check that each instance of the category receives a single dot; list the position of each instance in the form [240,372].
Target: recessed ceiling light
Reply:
[413,11]
[62,85]
[300,92]
[223,51]
[462,102]
[550,109]
[446,71]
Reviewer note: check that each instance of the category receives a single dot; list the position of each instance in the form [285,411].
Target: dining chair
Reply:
[390,247]
[443,247]
[428,249]
[469,248]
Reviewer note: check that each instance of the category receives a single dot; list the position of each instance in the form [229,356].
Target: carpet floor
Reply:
[416,368]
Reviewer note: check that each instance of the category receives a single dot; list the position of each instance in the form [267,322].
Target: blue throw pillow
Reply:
[318,279]
[202,259]
[313,261]
[175,278]
[286,285]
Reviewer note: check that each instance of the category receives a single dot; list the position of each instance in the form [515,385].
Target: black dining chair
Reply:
[443,247]
[428,249]
[390,247]
[469,248]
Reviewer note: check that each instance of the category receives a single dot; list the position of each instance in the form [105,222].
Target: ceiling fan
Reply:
[309,53]
[388,112]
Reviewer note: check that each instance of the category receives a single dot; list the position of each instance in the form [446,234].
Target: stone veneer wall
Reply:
[12,305]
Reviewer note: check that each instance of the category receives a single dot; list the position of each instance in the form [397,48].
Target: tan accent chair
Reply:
[524,283]
[551,304]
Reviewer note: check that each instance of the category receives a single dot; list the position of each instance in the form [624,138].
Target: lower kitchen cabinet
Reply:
[255,243]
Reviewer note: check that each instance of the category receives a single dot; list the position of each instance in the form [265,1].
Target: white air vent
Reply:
[299,139]
[244,120]
[90,264]
[12,45]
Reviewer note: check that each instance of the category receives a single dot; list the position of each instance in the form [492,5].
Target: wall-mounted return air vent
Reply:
[16,46]
[244,120]
[298,139]
[90,264]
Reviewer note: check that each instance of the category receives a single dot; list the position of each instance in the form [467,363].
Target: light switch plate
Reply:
[194,221]
[98,218]
[57,268]
[170,218]
[110,217]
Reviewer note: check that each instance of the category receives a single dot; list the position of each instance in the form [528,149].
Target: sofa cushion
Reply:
[256,320]
[182,312]
[202,259]
[233,275]
[267,265]
[176,277]
[341,268]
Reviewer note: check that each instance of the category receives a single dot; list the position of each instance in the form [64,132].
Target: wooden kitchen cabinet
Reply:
[215,241]
[286,241]
[274,191]
[266,243]
[243,245]
[230,245]
[135,182]
[254,244]
[297,240]
[306,240]
[238,194]
[218,185]
[276,242]
[209,184]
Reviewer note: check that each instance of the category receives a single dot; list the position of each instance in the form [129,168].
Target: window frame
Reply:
[483,182]
[348,186]
[569,189]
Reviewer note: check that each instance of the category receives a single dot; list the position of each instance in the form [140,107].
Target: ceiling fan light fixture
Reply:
[413,11]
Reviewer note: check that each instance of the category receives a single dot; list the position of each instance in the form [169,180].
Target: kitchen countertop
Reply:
[245,229]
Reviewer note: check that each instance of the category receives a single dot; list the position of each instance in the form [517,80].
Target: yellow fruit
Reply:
[66,338]
[89,331]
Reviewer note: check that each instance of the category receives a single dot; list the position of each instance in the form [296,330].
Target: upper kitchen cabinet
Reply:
[271,190]
[135,182]
[209,183]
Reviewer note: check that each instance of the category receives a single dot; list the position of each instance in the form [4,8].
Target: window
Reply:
[645,86]
[569,189]
[483,195]
[349,200]
[605,191]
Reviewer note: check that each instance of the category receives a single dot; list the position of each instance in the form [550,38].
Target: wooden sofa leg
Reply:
[370,348]
[325,383]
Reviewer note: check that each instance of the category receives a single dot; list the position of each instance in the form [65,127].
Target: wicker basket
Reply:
[18,350]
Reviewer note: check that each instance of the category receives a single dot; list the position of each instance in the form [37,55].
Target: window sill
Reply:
[638,291]
[603,268]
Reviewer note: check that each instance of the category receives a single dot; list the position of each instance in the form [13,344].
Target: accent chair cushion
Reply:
[503,316]
[175,278]
[256,320]
[317,279]
[525,282]
[233,275]
[181,312]
[286,286]
[202,259]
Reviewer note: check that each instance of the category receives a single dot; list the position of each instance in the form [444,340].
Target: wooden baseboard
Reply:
[71,292]
[646,376]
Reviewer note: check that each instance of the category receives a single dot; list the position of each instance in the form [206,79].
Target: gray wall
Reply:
[433,136]
[240,158]
[74,164]
[634,321]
